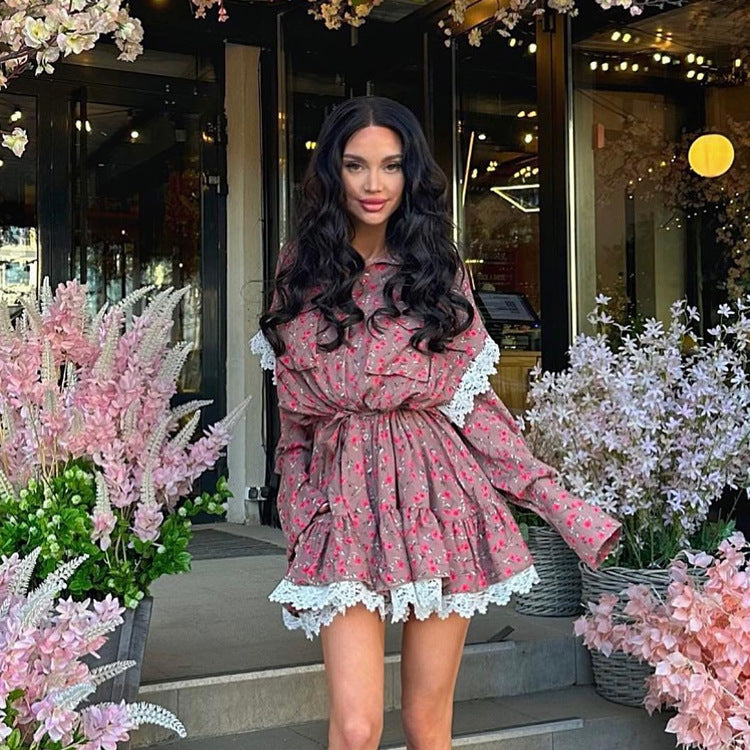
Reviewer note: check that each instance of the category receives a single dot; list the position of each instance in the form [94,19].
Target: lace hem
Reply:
[259,345]
[318,605]
[474,381]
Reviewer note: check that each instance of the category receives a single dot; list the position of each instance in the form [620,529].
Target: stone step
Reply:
[249,701]
[567,719]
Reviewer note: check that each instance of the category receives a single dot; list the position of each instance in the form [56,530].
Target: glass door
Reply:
[139,195]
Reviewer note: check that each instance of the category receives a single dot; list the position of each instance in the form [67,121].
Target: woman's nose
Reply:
[373,182]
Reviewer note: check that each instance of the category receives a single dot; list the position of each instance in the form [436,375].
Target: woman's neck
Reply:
[370,242]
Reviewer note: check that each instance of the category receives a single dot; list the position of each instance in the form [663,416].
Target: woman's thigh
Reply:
[354,653]
[430,658]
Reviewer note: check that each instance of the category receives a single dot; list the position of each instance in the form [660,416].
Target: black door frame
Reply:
[54,101]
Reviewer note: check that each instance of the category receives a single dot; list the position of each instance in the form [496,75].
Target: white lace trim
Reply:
[259,345]
[318,605]
[475,380]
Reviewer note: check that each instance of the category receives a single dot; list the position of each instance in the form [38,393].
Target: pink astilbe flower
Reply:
[41,650]
[148,519]
[105,726]
[98,389]
[697,640]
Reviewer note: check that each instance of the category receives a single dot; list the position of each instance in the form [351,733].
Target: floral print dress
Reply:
[416,458]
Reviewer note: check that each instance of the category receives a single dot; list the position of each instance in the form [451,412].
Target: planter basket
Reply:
[620,678]
[558,594]
[127,642]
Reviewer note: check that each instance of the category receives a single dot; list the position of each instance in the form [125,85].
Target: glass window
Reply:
[499,198]
[137,196]
[19,246]
[649,228]
[315,82]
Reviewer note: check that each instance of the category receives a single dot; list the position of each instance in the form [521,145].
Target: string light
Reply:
[657,56]
[605,66]
[16,116]
[626,37]
[691,74]
[528,138]
[700,59]
[690,58]
[512,41]
[532,48]
[482,136]
[738,62]
[615,36]
[522,113]
[635,67]
[701,76]
[623,65]
[593,65]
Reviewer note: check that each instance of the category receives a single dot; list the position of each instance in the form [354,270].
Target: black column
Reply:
[553,45]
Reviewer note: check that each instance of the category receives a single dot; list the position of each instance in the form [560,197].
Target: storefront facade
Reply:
[565,147]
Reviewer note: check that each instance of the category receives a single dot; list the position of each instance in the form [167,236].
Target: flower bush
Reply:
[698,640]
[92,458]
[651,429]
[43,680]
[35,34]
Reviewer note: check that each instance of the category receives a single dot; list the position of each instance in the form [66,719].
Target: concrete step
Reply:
[567,719]
[264,699]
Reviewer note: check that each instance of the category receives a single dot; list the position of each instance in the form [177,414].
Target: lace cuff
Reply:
[475,380]
[259,345]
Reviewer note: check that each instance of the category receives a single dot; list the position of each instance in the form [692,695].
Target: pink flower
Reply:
[104,726]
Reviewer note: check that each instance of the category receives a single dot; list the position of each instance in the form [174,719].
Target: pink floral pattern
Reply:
[412,496]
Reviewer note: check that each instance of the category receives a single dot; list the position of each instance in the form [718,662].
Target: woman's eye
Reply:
[395,167]
[352,166]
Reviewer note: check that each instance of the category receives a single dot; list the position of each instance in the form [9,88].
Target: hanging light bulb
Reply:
[593,65]
[605,66]
[657,56]
[532,48]
[666,59]
[690,58]
[700,76]
[626,37]
[615,36]
[635,67]
[700,59]
[623,65]
[738,62]
[691,74]
[522,113]
[528,138]
[512,41]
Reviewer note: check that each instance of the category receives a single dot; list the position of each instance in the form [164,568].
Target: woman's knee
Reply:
[361,732]
[427,726]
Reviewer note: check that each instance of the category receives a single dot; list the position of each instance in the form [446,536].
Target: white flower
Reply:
[35,32]
[16,141]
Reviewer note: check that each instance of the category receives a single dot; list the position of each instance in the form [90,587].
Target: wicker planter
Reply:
[558,594]
[620,678]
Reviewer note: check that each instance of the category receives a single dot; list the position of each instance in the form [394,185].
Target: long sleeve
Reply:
[298,498]
[498,446]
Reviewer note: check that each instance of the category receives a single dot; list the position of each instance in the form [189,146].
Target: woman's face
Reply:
[372,175]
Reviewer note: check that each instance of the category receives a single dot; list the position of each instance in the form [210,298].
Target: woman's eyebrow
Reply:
[354,157]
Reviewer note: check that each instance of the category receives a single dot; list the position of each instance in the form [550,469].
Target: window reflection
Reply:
[137,193]
[499,199]
[649,228]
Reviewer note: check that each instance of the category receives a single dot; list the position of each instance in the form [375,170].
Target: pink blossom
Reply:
[105,726]
[697,640]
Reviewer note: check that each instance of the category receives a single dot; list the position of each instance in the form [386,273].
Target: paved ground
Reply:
[217,619]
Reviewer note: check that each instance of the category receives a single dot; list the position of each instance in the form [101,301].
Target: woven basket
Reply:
[558,594]
[620,678]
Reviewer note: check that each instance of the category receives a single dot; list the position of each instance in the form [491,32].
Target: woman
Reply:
[396,458]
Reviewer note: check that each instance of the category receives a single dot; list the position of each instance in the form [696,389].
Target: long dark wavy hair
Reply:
[320,267]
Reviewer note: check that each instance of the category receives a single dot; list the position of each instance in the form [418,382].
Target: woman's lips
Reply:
[373,206]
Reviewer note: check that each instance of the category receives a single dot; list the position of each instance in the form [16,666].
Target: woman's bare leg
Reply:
[430,658]
[354,652]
